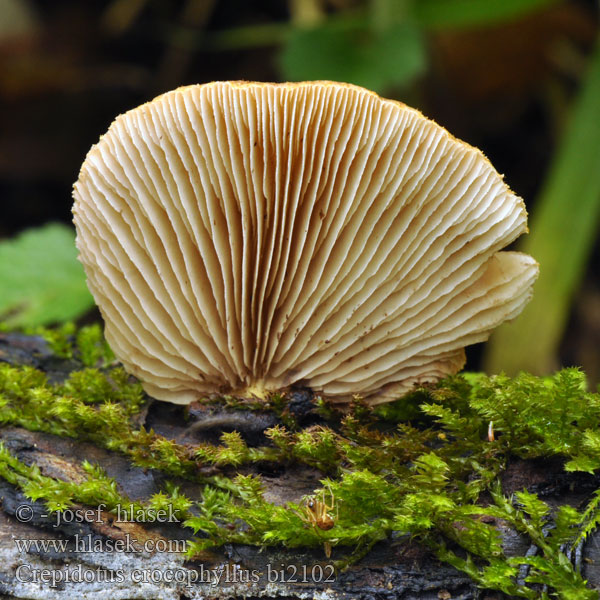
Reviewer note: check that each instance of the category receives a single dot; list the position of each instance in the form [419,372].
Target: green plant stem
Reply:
[563,229]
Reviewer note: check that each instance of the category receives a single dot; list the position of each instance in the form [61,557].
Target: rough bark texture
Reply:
[393,570]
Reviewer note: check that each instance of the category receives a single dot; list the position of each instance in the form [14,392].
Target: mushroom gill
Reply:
[244,237]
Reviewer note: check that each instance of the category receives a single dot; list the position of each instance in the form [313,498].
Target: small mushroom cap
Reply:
[244,237]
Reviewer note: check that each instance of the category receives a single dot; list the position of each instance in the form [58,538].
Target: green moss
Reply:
[416,468]
[550,568]
[92,347]
[59,339]
[86,343]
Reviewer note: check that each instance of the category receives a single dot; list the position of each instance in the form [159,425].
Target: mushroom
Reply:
[245,237]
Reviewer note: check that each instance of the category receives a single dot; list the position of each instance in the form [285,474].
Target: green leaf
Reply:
[440,14]
[564,228]
[41,280]
[343,49]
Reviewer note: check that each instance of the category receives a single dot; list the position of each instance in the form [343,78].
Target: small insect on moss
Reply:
[317,513]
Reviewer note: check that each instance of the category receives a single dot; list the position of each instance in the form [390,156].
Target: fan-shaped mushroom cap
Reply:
[243,237]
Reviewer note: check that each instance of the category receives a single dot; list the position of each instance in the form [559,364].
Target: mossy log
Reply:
[89,554]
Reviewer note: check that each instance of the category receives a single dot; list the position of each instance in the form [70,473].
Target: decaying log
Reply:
[37,549]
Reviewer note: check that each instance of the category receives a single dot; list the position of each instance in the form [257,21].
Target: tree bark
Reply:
[97,562]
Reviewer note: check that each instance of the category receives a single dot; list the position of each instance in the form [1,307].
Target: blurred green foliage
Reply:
[469,13]
[564,228]
[41,280]
[343,50]
[378,44]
